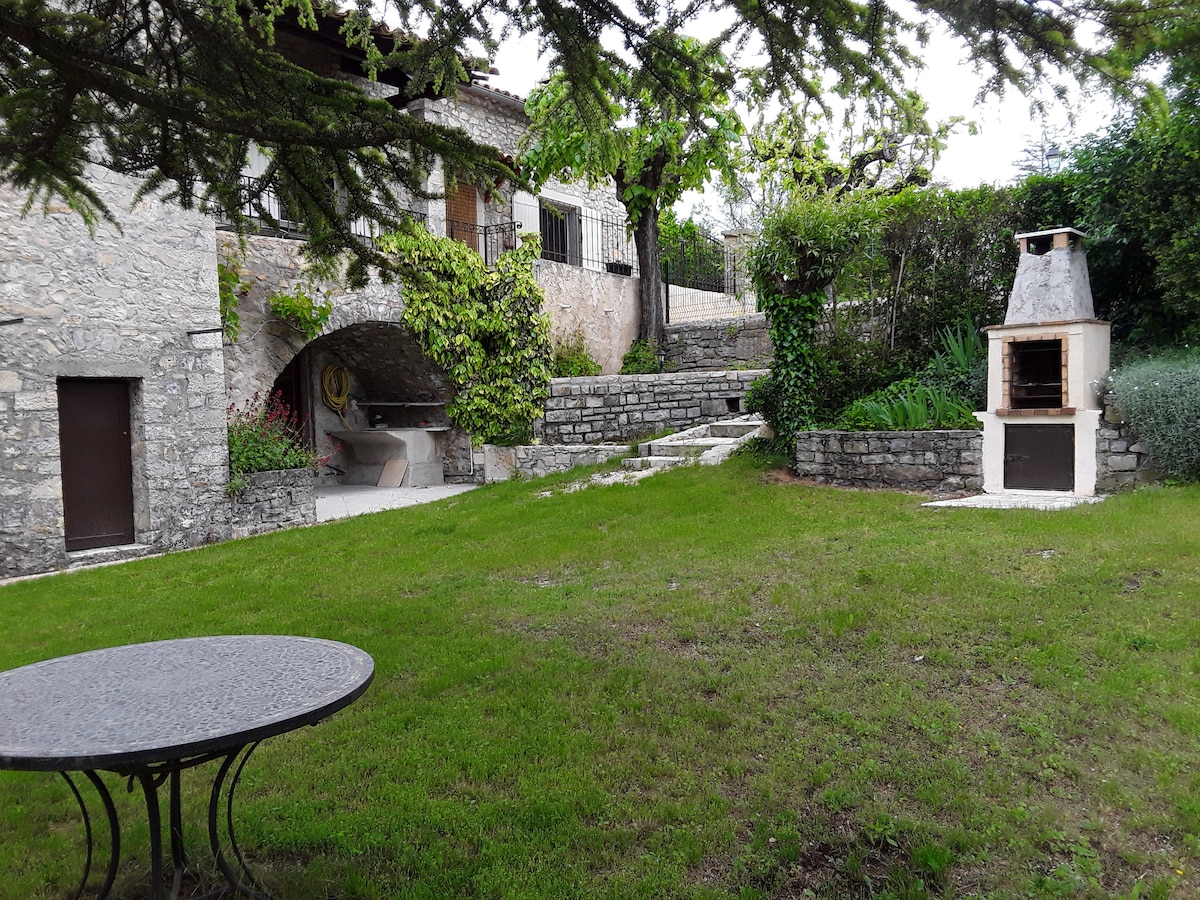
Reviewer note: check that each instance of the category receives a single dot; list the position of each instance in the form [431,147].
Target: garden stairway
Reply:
[705,444]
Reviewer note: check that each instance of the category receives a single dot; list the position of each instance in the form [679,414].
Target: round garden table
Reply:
[149,711]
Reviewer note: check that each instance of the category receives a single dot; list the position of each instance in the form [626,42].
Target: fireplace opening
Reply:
[1037,380]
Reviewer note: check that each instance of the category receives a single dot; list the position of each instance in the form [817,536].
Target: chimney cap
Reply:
[1048,232]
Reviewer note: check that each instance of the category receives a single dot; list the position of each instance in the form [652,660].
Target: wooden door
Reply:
[1039,457]
[462,214]
[97,469]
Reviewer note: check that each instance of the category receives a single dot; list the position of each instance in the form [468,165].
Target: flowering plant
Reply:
[265,435]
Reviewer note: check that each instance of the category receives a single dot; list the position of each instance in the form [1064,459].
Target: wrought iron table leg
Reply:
[150,789]
[249,886]
[114,831]
[178,859]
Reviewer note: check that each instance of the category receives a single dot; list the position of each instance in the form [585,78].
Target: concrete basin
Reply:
[372,450]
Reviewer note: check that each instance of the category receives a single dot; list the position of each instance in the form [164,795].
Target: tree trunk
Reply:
[645,239]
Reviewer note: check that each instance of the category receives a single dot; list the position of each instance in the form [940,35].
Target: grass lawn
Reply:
[714,683]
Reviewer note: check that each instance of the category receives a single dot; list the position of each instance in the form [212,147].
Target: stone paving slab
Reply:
[1017,500]
[341,501]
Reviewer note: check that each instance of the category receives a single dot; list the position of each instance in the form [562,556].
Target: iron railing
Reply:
[489,241]
[288,224]
[578,238]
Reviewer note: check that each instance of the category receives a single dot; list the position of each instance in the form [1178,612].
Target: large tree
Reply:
[175,92]
[647,137]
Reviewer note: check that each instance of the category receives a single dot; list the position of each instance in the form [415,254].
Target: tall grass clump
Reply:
[571,358]
[943,395]
[1160,397]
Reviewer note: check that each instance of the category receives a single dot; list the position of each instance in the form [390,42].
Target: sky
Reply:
[1005,127]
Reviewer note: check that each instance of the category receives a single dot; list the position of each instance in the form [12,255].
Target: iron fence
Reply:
[704,279]
[288,223]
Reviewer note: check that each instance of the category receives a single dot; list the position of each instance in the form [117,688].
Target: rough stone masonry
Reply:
[622,407]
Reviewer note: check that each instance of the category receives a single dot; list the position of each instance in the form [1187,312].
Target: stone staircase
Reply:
[707,445]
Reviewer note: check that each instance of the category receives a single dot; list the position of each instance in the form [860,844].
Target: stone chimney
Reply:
[1052,279]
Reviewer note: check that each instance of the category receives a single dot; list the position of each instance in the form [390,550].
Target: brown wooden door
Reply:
[1039,457]
[97,470]
[462,215]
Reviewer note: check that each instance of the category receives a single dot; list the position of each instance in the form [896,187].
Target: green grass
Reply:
[714,683]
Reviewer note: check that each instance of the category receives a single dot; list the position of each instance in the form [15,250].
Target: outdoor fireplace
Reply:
[1045,364]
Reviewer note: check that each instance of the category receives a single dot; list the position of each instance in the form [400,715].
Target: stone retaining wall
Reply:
[1122,460]
[622,407]
[274,500]
[937,461]
[717,344]
[494,463]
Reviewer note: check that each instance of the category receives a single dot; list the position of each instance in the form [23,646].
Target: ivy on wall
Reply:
[230,290]
[484,326]
[801,252]
[303,312]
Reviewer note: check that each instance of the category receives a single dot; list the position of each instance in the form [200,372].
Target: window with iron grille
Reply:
[562,237]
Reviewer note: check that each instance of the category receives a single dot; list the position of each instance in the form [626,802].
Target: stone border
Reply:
[937,461]
[1122,460]
[503,463]
[623,407]
[273,501]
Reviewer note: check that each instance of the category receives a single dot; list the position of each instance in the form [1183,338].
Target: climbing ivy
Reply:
[802,251]
[301,311]
[484,326]
[230,290]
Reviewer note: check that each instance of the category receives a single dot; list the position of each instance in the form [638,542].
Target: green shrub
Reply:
[483,325]
[301,311]
[914,408]
[959,367]
[1160,397]
[264,436]
[572,360]
[849,367]
[942,395]
[762,397]
[642,359]
[803,250]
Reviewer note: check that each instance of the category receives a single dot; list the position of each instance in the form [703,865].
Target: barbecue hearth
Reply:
[1044,366]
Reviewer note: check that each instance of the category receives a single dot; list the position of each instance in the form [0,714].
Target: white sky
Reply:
[1005,126]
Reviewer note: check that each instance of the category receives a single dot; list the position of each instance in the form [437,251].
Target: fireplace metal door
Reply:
[1039,457]
[97,470]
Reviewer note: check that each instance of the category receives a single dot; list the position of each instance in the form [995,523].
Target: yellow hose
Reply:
[335,390]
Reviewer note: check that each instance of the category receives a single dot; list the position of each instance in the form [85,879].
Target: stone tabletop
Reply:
[166,700]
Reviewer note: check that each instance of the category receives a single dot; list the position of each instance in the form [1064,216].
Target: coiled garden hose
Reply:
[335,390]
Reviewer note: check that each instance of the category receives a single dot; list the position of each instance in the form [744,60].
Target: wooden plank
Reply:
[393,473]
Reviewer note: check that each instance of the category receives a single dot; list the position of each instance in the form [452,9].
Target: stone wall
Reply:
[266,344]
[502,463]
[1122,460]
[498,118]
[937,461]
[140,306]
[271,501]
[623,407]
[718,344]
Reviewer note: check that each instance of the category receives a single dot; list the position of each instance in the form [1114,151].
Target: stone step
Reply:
[653,462]
[732,429]
[691,447]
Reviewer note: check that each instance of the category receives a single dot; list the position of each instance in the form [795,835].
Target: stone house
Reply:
[115,380]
